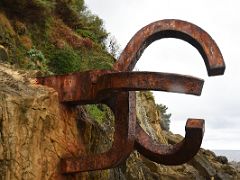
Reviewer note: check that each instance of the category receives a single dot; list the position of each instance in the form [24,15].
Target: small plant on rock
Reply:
[64,61]
[37,60]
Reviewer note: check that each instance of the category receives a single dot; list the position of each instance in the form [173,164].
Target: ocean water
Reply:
[232,155]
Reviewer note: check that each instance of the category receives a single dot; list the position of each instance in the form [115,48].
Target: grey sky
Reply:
[220,102]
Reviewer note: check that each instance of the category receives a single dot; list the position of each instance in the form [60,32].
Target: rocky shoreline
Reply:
[236,165]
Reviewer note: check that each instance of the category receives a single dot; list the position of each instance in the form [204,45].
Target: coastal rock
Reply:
[222,159]
[35,130]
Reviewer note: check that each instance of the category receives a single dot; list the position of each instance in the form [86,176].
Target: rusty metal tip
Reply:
[175,154]
[195,123]
[217,71]
[201,84]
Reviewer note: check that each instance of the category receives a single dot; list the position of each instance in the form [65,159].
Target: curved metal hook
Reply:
[171,28]
[215,65]
[172,154]
[123,144]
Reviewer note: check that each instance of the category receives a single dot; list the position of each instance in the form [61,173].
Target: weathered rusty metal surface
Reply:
[176,154]
[95,86]
[172,28]
[136,81]
[124,138]
[115,88]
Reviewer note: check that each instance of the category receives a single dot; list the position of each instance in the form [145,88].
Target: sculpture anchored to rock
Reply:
[116,88]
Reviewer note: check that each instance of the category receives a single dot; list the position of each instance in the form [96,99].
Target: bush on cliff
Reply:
[64,61]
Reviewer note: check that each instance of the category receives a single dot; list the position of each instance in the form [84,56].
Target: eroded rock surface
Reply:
[35,131]
[3,53]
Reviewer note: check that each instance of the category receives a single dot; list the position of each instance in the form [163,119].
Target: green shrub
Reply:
[64,61]
[35,55]
[149,95]
[69,11]
[78,5]
[165,117]
[91,52]
[100,60]
[87,33]
[37,60]
[35,9]
[92,27]
[96,113]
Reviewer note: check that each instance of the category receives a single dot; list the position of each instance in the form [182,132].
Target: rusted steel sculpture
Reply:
[116,87]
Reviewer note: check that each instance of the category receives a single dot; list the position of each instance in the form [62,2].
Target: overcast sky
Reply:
[219,103]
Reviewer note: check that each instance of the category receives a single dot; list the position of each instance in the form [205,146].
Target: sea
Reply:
[232,155]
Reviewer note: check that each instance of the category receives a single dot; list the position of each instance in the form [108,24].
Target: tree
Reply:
[165,117]
[113,46]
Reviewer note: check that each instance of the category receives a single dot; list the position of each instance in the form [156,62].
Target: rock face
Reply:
[3,53]
[36,131]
